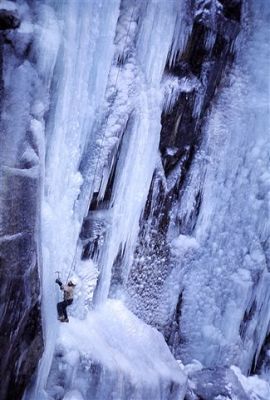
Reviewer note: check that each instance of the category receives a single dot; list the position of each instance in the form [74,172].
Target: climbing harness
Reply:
[73,265]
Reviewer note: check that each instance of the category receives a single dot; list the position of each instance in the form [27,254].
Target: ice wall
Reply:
[77,93]
[139,85]
[201,267]
[201,55]
[225,299]
[151,172]
[102,138]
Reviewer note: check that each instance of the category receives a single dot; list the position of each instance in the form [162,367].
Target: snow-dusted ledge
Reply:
[111,354]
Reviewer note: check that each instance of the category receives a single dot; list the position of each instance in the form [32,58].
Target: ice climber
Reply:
[68,300]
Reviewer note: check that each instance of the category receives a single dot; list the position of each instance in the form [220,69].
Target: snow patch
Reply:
[113,337]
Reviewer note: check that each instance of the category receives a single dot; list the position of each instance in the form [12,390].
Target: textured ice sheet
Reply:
[225,307]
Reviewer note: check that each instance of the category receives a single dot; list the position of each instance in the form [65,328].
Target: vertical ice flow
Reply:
[139,152]
[79,84]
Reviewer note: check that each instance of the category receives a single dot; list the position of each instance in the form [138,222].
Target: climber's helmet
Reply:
[70,283]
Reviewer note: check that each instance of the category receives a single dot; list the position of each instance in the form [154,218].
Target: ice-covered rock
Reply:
[215,384]
[255,387]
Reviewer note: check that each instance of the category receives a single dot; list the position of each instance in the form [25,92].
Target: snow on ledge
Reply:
[115,338]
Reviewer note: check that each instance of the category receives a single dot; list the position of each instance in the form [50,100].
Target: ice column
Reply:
[139,151]
[79,82]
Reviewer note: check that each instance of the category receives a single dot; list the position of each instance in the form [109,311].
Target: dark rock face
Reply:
[263,363]
[20,326]
[8,20]
[208,54]
[21,338]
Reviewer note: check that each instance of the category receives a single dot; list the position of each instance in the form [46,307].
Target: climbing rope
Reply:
[73,265]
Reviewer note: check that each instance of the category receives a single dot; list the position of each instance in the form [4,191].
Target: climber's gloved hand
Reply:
[58,282]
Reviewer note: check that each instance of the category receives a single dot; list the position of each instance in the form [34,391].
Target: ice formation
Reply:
[136,143]
[93,125]
[112,345]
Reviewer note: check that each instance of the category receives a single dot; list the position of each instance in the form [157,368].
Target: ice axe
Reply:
[58,274]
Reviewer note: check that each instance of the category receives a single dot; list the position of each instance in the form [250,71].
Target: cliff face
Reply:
[20,193]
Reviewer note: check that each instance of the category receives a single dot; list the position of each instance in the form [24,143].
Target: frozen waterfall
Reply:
[135,160]
[103,120]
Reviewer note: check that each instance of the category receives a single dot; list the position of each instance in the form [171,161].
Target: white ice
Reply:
[143,74]
[255,387]
[71,117]
[112,337]
[77,61]
[93,99]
